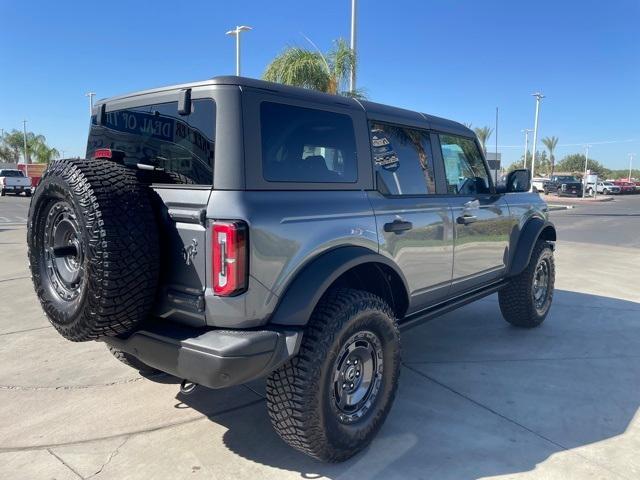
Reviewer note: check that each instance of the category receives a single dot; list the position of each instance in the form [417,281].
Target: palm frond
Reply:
[299,67]
[342,59]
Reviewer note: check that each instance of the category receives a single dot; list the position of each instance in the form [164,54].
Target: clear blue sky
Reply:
[454,58]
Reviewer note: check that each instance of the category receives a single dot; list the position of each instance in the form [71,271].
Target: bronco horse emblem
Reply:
[190,251]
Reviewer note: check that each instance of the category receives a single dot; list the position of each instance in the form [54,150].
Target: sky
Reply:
[458,59]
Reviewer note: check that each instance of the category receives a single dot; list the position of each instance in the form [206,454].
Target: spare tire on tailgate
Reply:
[93,248]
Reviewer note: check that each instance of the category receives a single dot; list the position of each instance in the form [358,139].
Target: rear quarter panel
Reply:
[287,229]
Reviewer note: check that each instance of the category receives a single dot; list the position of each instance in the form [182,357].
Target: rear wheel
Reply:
[332,398]
[27,193]
[605,191]
[526,300]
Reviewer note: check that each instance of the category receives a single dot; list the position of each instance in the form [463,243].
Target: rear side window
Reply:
[181,145]
[465,170]
[307,145]
[402,159]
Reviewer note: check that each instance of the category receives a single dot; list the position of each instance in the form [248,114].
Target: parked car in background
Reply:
[606,188]
[14,181]
[625,186]
[538,184]
[564,185]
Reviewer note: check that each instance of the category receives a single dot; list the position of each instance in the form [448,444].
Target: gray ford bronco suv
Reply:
[233,229]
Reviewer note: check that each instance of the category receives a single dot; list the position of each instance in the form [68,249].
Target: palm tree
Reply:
[327,73]
[551,143]
[483,134]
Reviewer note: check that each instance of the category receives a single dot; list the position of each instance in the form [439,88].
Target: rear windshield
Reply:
[157,135]
[11,173]
[567,179]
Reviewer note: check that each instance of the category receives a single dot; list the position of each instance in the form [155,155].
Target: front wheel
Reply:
[605,191]
[526,300]
[332,398]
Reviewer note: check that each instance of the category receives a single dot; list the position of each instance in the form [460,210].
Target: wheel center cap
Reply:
[351,373]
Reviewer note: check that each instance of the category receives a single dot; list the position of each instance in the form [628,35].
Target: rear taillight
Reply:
[230,258]
[102,153]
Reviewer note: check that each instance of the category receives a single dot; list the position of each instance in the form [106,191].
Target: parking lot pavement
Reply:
[477,398]
[13,210]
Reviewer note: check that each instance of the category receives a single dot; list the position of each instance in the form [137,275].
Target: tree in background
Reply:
[483,134]
[551,143]
[574,163]
[327,73]
[543,165]
[13,146]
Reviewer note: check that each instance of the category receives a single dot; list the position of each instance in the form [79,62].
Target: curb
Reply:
[553,208]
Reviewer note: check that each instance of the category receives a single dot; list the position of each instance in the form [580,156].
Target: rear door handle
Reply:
[398,226]
[466,219]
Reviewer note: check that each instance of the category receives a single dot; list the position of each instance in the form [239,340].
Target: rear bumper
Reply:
[213,358]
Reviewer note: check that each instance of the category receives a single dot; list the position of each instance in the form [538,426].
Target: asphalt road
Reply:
[615,223]
[14,210]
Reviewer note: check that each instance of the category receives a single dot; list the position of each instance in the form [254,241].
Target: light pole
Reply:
[586,164]
[526,144]
[352,77]
[539,97]
[24,136]
[236,33]
[630,162]
[90,95]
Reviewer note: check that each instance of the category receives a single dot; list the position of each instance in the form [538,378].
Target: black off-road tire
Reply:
[302,395]
[517,300]
[132,361]
[108,216]
[2,193]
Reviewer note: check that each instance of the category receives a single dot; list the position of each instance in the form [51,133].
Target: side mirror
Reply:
[518,181]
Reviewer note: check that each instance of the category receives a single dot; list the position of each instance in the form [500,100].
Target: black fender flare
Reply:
[303,293]
[534,229]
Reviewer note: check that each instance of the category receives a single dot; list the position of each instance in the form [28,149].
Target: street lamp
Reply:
[236,33]
[586,162]
[526,144]
[630,162]
[90,95]
[539,97]
[352,77]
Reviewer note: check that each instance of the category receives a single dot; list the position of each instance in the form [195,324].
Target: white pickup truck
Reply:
[14,181]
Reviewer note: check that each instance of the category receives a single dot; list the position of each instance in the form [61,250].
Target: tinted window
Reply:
[464,167]
[182,145]
[306,145]
[402,159]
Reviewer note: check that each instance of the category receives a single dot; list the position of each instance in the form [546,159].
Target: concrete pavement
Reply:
[477,397]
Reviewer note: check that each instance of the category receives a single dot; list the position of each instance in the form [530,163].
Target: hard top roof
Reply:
[371,108]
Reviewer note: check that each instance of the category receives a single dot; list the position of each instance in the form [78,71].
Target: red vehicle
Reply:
[625,186]
[34,171]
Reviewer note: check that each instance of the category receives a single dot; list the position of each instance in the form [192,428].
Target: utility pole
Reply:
[586,164]
[352,77]
[236,33]
[539,97]
[526,144]
[26,148]
[630,162]
[497,161]
[90,95]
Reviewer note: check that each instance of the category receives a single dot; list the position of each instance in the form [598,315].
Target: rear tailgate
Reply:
[178,152]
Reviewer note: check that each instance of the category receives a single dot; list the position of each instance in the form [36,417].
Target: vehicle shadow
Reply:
[480,398]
